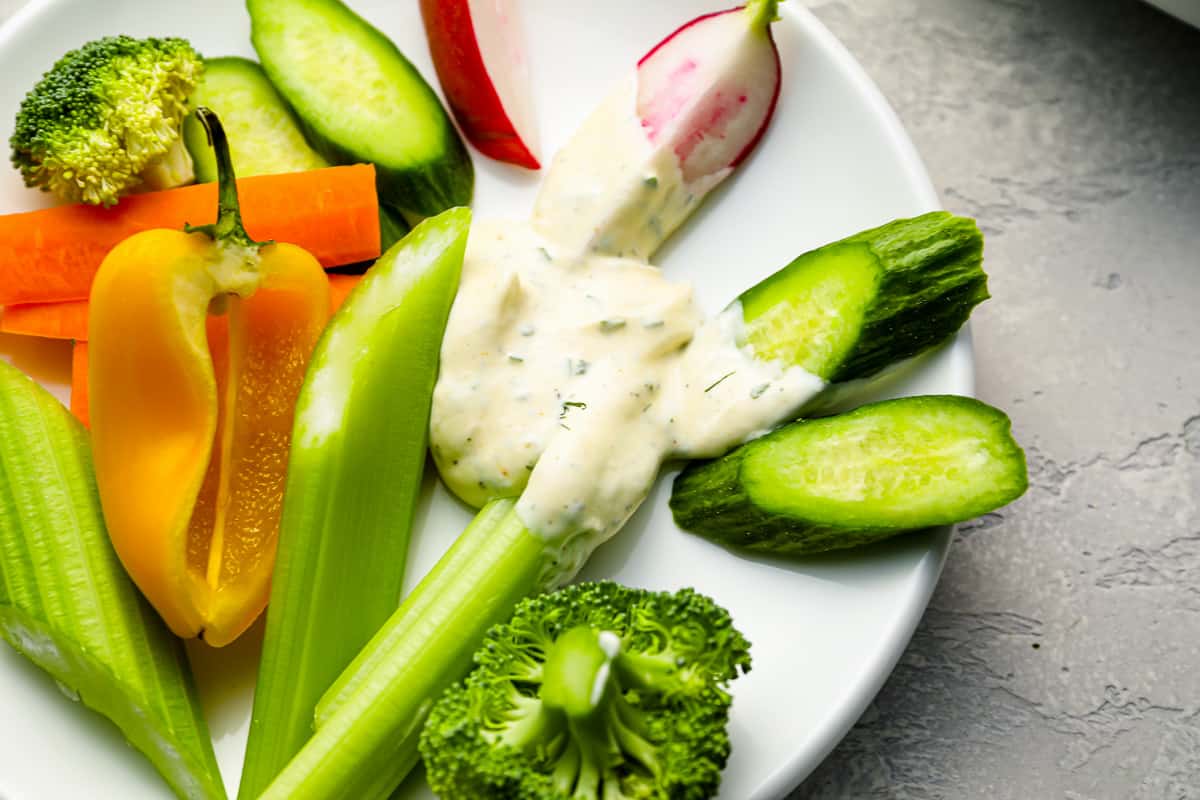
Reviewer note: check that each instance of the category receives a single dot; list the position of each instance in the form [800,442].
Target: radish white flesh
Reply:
[697,105]
[709,89]
[478,52]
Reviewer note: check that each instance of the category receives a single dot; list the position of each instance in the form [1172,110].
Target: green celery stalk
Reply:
[359,750]
[357,456]
[66,603]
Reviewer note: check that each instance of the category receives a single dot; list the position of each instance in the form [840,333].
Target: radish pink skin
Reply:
[469,89]
[762,129]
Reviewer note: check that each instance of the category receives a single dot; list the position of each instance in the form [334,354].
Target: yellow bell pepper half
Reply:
[198,344]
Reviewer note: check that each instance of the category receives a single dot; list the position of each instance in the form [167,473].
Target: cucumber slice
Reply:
[66,603]
[851,308]
[360,99]
[357,455]
[883,469]
[264,135]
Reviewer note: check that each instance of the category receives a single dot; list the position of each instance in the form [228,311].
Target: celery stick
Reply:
[372,719]
[66,603]
[358,451]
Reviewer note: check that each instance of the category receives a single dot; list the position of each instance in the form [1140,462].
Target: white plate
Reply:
[825,631]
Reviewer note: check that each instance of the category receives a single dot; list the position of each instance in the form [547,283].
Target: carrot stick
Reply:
[49,320]
[339,287]
[69,320]
[51,255]
[79,382]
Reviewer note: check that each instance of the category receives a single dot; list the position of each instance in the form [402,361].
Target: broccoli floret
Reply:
[107,118]
[595,691]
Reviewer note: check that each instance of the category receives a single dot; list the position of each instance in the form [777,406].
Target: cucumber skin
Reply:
[710,498]
[392,226]
[931,277]
[116,653]
[422,190]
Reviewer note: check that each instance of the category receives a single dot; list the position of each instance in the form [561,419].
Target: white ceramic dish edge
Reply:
[789,776]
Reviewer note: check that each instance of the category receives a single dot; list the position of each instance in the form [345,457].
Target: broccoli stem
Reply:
[581,684]
[582,687]
[531,724]
[576,675]
[370,720]
[173,168]
[645,671]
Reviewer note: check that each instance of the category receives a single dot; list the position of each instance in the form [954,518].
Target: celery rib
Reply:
[66,603]
[357,457]
[371,719]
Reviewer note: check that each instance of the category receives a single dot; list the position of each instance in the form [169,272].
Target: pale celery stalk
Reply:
[367,740]
[66,603]
[357,455]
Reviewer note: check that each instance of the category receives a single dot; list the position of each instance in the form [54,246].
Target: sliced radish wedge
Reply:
[478,52]
[696,106]
[709,89]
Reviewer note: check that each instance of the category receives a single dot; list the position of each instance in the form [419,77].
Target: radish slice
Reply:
[693,110]
[709,89]
[478,52]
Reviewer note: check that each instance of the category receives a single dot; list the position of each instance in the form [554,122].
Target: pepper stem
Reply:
[228,227]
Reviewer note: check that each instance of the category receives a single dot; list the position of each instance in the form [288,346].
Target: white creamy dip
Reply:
[609,191]
[570,374]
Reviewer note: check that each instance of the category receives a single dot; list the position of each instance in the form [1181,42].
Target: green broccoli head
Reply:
[595,691]
[107,118]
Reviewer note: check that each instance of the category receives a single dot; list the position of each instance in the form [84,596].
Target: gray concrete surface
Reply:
[1060,657]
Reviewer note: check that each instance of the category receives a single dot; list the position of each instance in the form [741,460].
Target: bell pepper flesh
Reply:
[259,362]
[191,419]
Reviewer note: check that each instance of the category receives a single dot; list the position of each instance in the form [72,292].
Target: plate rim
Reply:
[788,777]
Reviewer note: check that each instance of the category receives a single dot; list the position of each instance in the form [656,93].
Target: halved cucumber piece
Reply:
[883,469]
[66,603]
[264,135]
[851,308]
[359,99]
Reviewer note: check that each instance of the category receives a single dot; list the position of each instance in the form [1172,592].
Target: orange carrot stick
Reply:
[51,255]
[69,320]
[49,320]
[339,287]
[79,382]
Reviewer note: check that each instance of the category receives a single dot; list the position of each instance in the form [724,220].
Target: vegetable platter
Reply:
[825,630]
